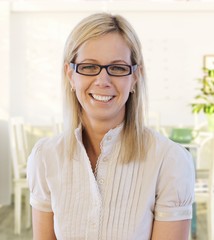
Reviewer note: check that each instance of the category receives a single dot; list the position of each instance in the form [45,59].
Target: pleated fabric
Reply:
[117,202]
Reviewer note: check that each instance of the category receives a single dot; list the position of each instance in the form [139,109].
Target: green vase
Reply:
[210,121]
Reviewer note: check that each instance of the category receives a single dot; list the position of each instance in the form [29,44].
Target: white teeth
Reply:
[102,98]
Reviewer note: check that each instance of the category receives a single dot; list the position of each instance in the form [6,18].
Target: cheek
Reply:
[74,80]
[125,86]
[80,98]
[80,81]
[81,90]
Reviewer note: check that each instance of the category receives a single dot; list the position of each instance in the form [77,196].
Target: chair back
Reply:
[204,189]
[211,172]
[18,147]
[205,161]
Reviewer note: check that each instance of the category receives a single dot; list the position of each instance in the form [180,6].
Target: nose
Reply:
[103,79]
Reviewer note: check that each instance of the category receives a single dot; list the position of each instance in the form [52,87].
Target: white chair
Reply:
[204,188]
[18,147]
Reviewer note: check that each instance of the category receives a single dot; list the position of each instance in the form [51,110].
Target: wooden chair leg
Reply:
[17,210]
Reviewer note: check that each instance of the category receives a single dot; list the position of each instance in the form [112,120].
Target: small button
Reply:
[105,159]
[109,138]
[101,181]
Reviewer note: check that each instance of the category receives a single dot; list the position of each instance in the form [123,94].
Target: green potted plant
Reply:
[204,100]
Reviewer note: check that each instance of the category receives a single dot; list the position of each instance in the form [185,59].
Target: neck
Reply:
[97,129]
[93,134]
[92,138]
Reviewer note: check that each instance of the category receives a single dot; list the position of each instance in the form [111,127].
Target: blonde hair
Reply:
[134,134]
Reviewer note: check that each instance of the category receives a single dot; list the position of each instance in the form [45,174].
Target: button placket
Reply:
[101,174]
[102,167]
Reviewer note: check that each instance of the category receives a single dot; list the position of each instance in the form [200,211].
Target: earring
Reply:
[133,91]
[72,89]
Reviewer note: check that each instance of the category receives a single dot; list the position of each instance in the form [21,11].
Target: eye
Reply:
[88,68]
[119,69]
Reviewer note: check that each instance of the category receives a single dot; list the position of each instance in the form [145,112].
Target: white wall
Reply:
[4,103]
[175,36]
[4,58]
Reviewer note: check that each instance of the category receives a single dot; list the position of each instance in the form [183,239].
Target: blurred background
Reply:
[177,43]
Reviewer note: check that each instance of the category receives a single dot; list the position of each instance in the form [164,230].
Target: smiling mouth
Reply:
[101,98]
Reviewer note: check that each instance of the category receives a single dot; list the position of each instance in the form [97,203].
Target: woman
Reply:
[108,176]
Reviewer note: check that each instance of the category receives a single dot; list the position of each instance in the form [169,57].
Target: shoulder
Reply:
[46,150]
[49,143]
[157,138]
[167,154]
[163,144]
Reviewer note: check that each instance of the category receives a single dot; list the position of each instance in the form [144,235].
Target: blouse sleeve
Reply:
[175,187]
[40,197]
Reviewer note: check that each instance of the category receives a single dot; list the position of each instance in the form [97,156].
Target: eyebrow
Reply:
[116,61]
[96,62]
[88,59]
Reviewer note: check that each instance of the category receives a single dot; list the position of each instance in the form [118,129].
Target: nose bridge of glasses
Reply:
[106,69]
[103,78]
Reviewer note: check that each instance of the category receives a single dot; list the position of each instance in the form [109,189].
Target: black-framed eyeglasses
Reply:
[116,70]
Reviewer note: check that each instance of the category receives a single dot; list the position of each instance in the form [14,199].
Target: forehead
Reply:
[106,48]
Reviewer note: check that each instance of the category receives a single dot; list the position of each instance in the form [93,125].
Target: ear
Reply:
[69,74]
[136,75]
[134,81]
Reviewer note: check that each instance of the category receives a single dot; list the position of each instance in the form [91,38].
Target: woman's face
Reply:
[103,97]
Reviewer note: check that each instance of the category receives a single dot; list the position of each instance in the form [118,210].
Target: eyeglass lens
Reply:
[113,69]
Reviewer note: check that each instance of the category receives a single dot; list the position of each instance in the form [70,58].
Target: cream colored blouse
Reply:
[122,201]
